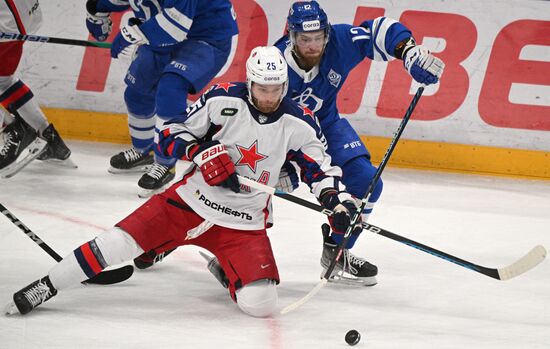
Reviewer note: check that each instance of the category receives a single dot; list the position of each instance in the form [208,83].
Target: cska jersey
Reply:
[20,16]
[167,22]
[347,46]
[258,145]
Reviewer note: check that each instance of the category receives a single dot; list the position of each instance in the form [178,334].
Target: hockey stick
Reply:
[530,260]
[105,277]
[357,214]
[48,39]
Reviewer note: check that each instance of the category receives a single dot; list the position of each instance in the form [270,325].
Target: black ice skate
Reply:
[216,269]
[21,145]
[155,180]
[31,296]
[147,259]
[56,151]
[130,161]
[350,269]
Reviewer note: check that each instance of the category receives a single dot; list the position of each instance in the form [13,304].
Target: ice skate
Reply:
[31,296]
[350,269]
[216,269]
[131,161]
[56,151]
[147,259]
[21,146]
[155,180]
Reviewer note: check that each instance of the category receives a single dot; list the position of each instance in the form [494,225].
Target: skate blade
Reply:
[31,152]
[350,280]
[138,169]
[67,163]
[206,257]
[10,309]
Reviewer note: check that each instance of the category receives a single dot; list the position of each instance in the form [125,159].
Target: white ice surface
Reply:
[420,302]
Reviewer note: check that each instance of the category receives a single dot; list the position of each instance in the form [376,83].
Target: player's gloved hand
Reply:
[129,37]
[343,206]
[216,165]
[424,67]
[99,23]
[288,179]
[169,145]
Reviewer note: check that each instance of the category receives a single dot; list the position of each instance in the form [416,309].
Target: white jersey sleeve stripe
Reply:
[179,18]
[380,29]
[172,30]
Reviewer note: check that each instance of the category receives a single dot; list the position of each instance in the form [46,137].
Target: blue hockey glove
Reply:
[129,35]
[169,145]
[99,24]
[424,67]
[343,211]
[288,179]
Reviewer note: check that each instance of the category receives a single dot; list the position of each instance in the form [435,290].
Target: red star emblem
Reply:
[225,86]
[308,112]
[250,156]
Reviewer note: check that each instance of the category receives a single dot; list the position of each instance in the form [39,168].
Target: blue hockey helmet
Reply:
[305,16]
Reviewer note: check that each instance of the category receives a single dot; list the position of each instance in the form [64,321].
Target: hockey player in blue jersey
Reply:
[320,57]
[181,46]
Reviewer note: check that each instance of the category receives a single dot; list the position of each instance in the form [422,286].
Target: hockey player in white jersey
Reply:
[320,56]
[181,45]
[249,129]
[27,134]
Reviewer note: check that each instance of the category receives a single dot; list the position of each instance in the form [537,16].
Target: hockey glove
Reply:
[169,145]
[288,179]
[99,24]
[424,67]
[129,37]
[342,212]
[216,165]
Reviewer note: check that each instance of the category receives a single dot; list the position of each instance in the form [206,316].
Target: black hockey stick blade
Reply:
[114,276]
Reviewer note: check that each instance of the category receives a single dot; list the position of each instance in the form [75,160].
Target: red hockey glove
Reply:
[216,165]
[342,212]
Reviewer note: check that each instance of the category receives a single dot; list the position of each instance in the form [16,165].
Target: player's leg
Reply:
[18,99]
[109,248]
[141,122]
[20,143]
[153,225]
[141,82]
[349,153]
[170,102]
[251,270]
[194,64]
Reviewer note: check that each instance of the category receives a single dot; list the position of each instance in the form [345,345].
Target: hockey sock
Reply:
[18,99]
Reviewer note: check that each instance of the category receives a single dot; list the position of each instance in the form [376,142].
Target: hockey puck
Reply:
[353,337]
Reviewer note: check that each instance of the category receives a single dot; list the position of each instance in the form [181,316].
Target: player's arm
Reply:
[98,16]
[324,181]
[168,27]
[185,140]
[384,39]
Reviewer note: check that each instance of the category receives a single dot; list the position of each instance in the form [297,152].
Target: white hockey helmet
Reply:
[266,66]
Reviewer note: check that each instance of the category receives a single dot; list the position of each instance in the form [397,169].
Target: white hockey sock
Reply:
[67,273]
[111,247]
